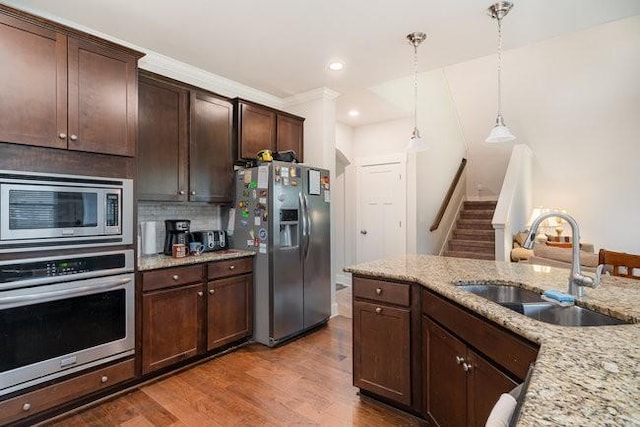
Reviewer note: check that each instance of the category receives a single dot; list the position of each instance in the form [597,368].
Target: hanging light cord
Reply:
[415,89]
[499,66]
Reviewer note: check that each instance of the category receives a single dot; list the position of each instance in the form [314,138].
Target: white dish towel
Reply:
[502,411]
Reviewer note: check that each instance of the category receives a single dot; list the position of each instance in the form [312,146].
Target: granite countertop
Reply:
[153,262]
[584,376]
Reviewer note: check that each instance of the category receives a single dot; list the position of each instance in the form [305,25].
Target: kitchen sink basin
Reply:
[501,293]
[531,304]
[567,316]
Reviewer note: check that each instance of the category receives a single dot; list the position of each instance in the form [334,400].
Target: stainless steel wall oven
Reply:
[62,314]
[47,211]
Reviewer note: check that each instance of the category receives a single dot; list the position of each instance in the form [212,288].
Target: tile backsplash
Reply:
[203,216]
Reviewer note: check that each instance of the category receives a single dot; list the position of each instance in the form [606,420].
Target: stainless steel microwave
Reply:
[48,211]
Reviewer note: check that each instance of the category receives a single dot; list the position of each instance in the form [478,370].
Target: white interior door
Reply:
[381,209]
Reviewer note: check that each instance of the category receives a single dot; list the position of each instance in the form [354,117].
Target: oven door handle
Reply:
[66,292]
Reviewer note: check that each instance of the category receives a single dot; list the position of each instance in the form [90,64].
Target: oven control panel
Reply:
[28,272]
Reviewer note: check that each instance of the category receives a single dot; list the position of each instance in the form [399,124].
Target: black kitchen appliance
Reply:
[177,231]
[213,240]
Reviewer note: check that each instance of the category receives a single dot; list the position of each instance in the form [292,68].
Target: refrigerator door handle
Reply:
[306,227]
[309,227]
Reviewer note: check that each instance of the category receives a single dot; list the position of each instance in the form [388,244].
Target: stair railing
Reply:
[449,195]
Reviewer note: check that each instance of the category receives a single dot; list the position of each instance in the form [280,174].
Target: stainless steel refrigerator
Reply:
[282,213]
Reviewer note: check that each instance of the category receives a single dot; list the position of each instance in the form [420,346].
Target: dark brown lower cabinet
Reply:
[462,386]
[171,326]
[382,350]
[229,309]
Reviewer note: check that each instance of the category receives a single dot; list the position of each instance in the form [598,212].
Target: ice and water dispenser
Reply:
[288,228]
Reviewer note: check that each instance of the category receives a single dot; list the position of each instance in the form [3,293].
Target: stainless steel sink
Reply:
[530,304]
[501,293]
[568,316]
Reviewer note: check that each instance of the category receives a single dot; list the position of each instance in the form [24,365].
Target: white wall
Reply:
[575,100]
[429,173]
[343,218]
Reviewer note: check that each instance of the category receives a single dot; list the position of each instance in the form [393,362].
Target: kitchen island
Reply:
[586,376]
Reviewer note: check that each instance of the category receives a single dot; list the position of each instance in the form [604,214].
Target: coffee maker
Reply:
[177,232]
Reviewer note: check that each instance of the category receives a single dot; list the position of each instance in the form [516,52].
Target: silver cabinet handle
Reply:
[467,367]
[363,231]
[175,277]
[65,292]
[26,407]
[73,137]
[232,267]
[459,360]
[104,379]
[62,135]
[181,192]
[212,291]
[378,291]
[200,293]
[193,193]
[378,310]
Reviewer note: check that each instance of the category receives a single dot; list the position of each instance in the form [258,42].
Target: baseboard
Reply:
[343,279]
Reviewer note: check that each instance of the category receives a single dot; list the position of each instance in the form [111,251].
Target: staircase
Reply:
[473,236]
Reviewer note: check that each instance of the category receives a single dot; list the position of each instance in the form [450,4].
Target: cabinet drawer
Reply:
[168,277]
[513,353]
[378,290]
[57,394]
[230,267]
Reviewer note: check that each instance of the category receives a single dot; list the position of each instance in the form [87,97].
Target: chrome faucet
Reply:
[577,280]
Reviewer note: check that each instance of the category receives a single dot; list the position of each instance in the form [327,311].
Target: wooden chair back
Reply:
[624,265]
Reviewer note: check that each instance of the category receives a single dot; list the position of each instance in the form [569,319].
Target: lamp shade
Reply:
[500,133]
[416,143]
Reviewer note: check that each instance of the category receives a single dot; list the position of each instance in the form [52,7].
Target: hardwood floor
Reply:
[305,382]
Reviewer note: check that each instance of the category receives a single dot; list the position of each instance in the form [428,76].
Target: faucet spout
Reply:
[577,280]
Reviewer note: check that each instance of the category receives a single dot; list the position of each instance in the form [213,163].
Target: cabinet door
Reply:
[257,130]
[33,84]
[485,384]
[290,136]
[381,350]
[229,310]
[211,157]
[103,99]
[162,145]
[171,327]
[446,397]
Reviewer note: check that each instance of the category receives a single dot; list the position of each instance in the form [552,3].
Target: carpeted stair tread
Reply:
[475,224]
[471,255]
[483,205]
[460,245]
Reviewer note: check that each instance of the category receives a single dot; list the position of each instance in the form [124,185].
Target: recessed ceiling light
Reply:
[336,66]
[354,113]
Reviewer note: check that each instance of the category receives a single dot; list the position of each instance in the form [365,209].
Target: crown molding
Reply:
[195,76]
[323,93]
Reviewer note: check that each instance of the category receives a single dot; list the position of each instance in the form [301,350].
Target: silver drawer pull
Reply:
[232,267]
[193,193]
[26,407]
[175,277]
[104,379]
[378,291]
[62,135]
[73,137]
[378,310]
[181,192]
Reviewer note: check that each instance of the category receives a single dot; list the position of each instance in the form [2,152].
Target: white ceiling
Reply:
[282,47]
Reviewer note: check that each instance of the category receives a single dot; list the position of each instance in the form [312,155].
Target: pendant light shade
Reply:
[500,132]
[416,143]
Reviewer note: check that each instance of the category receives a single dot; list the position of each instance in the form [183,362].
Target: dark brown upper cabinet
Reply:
[185,143]
[63,89]
[258,128]
[210,153]
[163,140]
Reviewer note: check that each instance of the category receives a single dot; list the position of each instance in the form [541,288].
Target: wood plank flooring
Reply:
[306,382]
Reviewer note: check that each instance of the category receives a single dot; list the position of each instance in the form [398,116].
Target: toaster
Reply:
[213,240]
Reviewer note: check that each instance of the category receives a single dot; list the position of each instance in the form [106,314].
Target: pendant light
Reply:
[500,133]
[416,143]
